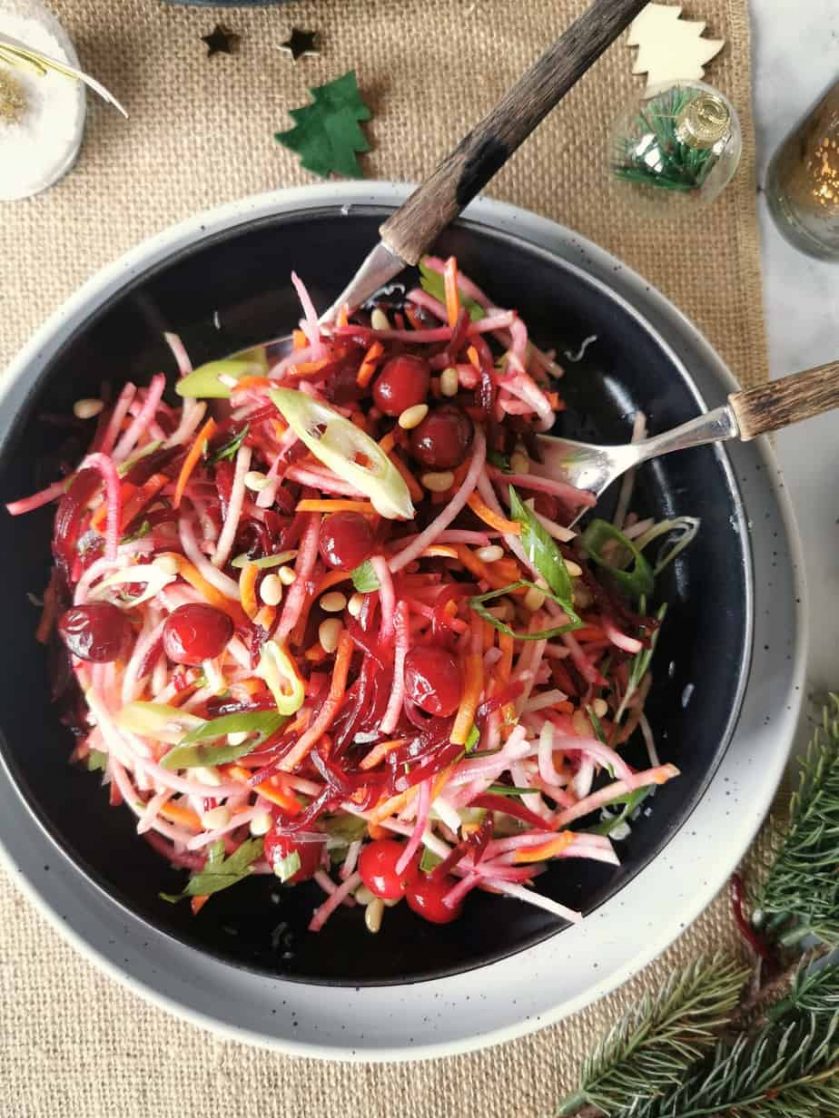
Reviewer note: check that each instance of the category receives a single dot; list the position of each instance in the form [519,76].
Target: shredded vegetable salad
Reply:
[325,621]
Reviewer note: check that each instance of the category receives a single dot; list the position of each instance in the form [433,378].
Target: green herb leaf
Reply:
[327,134]
[477,604]
[230,449]
[676,533]
[138,533]
[190,751]
[640,663]
[500,461]
[639,578]
[429,860]
[220,872]
[432,282]
[285,868]
[346,828]
[97,761]
[364,577]
[264,562]
[510,790]
[630,802]
[542,551]
[472,739]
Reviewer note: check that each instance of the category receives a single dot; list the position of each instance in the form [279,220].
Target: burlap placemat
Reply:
[73,1043]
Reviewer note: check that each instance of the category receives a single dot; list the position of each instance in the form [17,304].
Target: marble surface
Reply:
[795,58]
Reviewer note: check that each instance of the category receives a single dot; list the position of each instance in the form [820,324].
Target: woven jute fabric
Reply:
[74,1044]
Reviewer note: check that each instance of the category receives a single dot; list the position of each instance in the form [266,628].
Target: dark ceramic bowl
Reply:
[229,290]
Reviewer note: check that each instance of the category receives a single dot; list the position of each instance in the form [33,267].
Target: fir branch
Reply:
[647,1051]
[789,1069]
[801,893]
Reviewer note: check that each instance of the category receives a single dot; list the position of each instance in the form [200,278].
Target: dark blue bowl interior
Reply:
[229,291]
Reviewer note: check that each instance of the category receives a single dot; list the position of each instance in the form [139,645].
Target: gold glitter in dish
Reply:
[12,98]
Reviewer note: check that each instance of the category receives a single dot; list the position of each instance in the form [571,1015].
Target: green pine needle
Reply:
[801,893]
[647,1051]
[654,156]
[790,1069]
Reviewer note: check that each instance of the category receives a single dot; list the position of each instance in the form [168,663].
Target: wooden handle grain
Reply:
[411,230]
[784,402]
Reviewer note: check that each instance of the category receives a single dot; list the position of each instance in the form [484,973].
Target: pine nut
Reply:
[333,602]
[581,725]
[238,737]
[412,417]
[439,482]
[354,605]
[271,590]
[519,463]
[363,895]
[600,707]
[379,320]
[574,569]
[286,576]
[87,409]
[534,599]
[167,563]
[490,554]
[328,634]
[216,817]
[373,914]
[256,481]
[449,383]
[261,824]
[209,776]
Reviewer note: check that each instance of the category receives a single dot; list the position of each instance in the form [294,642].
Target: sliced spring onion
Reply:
[631,802]
[347,451]
[542,552]
[228,451]
[429,860]
[472,740]
[638,579]
[477,604]
[193,750]
[97,761]
[205,382]
[265,561]
[286,868]
[678,533]
[278,670]
[157,720]
[640,665]
[364,577]
[500,461]
[153,576]
[433,283]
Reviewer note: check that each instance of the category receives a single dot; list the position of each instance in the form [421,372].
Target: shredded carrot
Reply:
[549,849]
[195,579]
[505,664]
[388,441]
[197,903]
[307,368]
[441,549]
[474,359]
[500,523]
[564,707]
[414,488]
[331,578]
[368,364]
[337,688]
[489,636]
[265,617]
[185,816]
[315,653]
[377,832]
[478,568]
[273,788]
[247,589]
[379,752]
[393,804]
[473,686]
[252,382]
[509,571]
[452,292]
[335,505]
[192,459]
[299,339]
[343,316]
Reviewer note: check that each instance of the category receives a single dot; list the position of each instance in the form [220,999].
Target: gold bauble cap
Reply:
[703,122]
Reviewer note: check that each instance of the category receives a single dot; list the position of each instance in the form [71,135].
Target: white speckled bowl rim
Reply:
[544,983]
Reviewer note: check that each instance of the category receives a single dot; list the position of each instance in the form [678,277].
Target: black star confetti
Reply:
[221,40]
[300,43]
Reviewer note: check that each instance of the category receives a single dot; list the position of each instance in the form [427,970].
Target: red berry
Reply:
[308,848]
[432,679]
[442,440]
[402,383]
[346,539]
[99,632]
[377,866]
[425,897]
[195,632]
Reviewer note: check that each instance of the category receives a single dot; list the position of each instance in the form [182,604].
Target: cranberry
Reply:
[402,383]
[432,679]
[346,539]
[99,632]
[425,897]
[195,632]
[442,440]
[377,866]
[278,847]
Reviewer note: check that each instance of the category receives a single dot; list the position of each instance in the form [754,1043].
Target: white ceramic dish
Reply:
[546,982]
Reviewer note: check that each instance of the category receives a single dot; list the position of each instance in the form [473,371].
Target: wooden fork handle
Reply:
[436,203]
[784,402]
